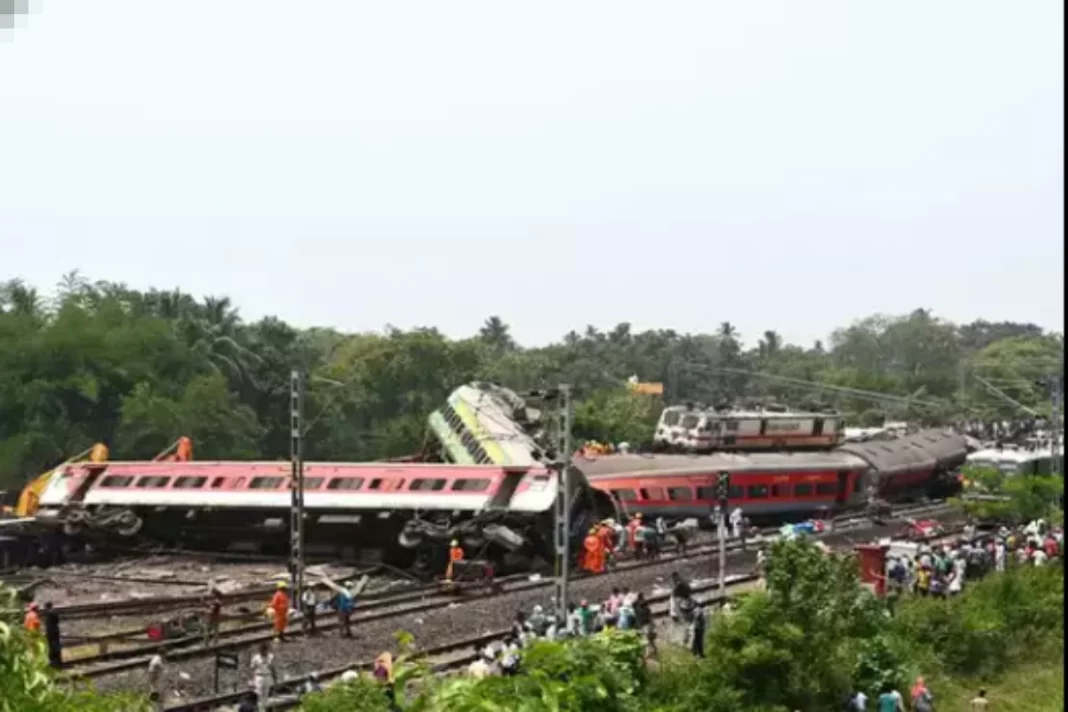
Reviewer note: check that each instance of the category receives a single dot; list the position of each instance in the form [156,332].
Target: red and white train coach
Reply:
[778,485]
[694,430]
[399,510]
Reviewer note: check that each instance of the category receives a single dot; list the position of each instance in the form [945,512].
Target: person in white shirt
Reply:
[736,519]
[1039,558]
[860,702]
[263,674]
[156,670]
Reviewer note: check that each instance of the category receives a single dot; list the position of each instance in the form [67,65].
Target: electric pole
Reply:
[562,523]
[723,488]
[296,483]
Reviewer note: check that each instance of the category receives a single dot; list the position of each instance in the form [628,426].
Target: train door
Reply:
[817,427]
[842,496]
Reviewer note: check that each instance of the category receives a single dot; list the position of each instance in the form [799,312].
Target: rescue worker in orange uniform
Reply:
[593,548]
[456,553]
[99,453]
[632,531]
[280,607]
[184,451]
[32,621]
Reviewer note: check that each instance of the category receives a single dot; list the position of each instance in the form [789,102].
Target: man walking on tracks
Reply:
[280,607]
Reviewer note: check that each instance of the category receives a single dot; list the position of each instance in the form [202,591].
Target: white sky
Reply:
[779,164]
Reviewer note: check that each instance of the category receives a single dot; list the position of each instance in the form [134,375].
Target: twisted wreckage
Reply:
[488,483]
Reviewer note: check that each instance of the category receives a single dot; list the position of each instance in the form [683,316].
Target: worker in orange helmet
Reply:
[456,553]
[279,606]
[632,531]
[32,621]
[593,548]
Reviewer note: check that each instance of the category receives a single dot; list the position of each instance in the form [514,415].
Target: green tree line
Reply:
[98,361]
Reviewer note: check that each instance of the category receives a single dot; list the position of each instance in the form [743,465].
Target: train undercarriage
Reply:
[406,539]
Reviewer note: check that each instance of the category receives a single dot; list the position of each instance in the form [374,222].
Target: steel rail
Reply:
[657,601]
[133,658]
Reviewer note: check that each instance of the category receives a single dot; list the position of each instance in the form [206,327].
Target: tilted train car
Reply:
[778,485]
[483,423]
[406,513]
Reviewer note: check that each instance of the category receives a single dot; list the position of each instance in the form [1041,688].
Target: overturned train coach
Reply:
[404,514]
[776,486]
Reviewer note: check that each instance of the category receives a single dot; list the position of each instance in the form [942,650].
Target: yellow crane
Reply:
[180,450]
[31,494]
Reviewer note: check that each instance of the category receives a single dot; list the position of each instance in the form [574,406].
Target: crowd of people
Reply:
[943,570]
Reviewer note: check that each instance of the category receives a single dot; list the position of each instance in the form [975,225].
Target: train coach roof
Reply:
[927,448]
[611,465]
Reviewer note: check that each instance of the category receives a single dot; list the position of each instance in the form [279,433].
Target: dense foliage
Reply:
[1012,499]
[814,639]
[99,361]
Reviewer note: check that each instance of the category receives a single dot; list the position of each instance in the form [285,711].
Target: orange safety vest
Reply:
[184,451]
[456,553]
[32,622]
[594,550]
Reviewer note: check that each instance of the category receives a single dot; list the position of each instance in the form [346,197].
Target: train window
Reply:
[736,492]
[265,483]
[671,418]
[758,491]
[653,493]
[625,495]
[189,482]
[345,483]
[730,425]
[313,482]
[387,485]
[778,491]
[689,421]
[421,484]
[680,494]
[116,481]
[826,488]
[154,482]
[217,482]
[706,493]
[802,490]
[470,485]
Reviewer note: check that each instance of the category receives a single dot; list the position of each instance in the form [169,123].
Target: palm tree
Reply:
[769,346]
[213,334]
[16,298]
[495,333]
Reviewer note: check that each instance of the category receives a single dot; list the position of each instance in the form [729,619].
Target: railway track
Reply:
[407,603]
[458,654]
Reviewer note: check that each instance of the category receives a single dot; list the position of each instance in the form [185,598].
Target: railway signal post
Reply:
[296,509]
[723,488]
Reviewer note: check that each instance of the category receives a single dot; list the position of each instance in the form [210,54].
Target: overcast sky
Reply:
[788,165]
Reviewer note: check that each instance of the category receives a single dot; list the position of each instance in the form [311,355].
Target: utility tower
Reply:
[296,482]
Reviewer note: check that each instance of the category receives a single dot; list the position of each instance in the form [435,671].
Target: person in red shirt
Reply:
[32,621]
[632,529]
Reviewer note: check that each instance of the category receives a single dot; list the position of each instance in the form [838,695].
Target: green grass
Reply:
[1030,687]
